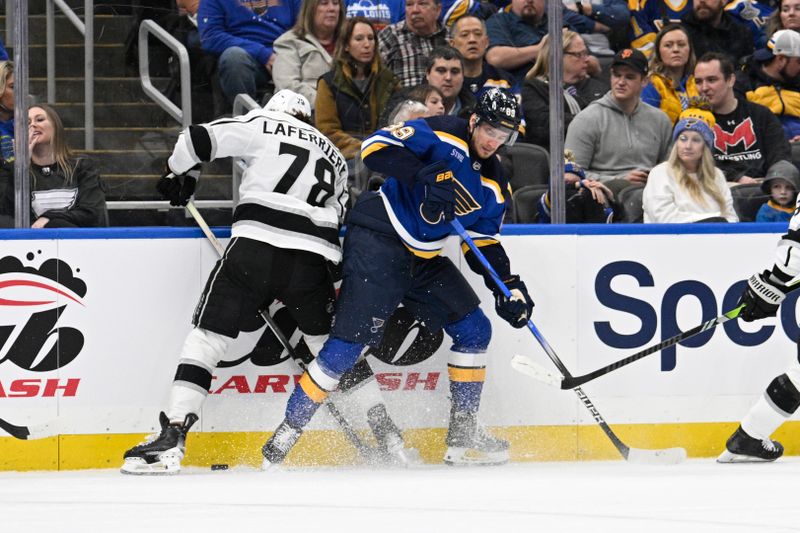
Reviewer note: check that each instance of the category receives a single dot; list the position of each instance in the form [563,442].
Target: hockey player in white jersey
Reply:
[751,441]
[285,228]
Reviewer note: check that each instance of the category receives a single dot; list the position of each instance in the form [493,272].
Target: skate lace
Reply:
[284,439]
[768,445]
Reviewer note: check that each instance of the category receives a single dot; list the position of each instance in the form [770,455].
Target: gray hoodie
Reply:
[608,144]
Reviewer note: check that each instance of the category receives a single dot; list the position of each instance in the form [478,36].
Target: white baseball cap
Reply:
[290,102]
[782,42]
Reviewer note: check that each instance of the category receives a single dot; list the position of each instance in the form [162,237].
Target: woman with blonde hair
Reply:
[579,88]
[6,111]
[66,191]
[688,187]
[785,17]
[671,84]
[305,52]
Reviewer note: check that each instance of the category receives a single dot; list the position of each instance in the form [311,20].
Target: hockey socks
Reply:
[323,375]
[201,352]
[779,402]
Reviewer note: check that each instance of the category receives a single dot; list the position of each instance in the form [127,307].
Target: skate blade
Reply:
[471,457]
[730,457]
[138,467]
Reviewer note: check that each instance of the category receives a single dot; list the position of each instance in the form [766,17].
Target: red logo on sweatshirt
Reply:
[742,133]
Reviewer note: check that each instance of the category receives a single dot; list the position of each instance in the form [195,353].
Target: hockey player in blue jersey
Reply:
[439,168]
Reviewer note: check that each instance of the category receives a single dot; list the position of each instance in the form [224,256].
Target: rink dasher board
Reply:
[595,287]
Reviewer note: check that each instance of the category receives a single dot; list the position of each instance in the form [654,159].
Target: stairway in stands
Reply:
[133,135]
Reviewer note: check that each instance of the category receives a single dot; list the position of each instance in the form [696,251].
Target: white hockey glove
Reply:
[761,298]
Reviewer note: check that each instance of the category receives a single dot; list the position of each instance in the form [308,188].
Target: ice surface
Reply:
[698,495]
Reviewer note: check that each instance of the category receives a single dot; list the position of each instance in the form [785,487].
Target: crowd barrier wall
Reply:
[92,322]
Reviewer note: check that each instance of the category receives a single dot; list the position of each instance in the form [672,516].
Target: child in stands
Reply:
[781,184]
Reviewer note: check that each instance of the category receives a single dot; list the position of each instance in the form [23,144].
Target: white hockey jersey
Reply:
[294,189]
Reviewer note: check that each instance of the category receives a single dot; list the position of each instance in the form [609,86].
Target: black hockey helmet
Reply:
[499,108]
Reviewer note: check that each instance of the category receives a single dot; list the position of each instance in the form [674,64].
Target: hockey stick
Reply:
[35,431]
[634,455]
[366,451]
[527,366]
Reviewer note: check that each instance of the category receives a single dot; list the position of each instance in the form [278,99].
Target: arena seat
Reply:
[526,164]
[747,199]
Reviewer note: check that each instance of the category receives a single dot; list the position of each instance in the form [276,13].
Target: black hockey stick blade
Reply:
[18,432]
[570,382]
[33,431]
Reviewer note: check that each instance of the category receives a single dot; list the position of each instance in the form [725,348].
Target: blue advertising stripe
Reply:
[109,233]
[742,228]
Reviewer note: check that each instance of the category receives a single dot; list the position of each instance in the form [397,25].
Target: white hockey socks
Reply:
[201,352]
[763,419]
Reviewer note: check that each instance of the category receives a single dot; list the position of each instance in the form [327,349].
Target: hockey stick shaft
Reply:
[621,447]
[347,429]
[570,382]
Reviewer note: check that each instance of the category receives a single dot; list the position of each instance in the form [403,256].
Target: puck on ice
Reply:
[219,467]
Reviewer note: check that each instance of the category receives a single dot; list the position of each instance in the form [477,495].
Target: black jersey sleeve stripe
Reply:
[201,142]
[290,222]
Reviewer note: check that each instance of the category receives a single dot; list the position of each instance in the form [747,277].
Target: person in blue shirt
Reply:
[439,168]
[781,184]
[241,33]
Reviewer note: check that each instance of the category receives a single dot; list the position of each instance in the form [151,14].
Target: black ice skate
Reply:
[742,448]
[162,453]
[391,448]
[470,444]
[279,444]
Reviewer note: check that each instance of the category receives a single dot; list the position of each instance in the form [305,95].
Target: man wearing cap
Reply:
[618,138]
[771,79]
[748,138]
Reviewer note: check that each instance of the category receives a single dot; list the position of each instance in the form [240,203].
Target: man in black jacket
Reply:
[711,29]
[748,138]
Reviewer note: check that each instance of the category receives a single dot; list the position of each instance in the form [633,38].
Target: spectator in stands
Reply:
[688,187]
[618,138]
[408,110]
[613,15]
[379,13]
[243,36]
[748,138]
[515,35]
[6,112]
[429,95]
[587,200]
[7,199]
[405,45]
[770,78]
[785,17]
[648,17]
[207,101]
[453,10]
[781,184]
[711,29]
[66,192]
[671,72]
[446,73]
[468,36]
[579,88]
[304,53]
[351,97]
[752,14]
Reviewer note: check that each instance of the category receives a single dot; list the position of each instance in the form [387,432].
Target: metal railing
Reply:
[182,114]
[86,28]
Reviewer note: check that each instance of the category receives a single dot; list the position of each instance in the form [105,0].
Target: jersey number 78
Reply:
[323,171]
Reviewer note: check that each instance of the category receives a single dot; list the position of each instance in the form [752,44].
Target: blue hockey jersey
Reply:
[400,151]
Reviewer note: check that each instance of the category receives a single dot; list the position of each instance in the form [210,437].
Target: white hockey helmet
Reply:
[291,103]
